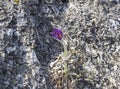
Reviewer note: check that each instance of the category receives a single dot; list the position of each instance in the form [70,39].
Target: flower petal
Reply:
[57,34]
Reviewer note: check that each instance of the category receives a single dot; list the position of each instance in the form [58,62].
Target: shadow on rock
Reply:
[45,16]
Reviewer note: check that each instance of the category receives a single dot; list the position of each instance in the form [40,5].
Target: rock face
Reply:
[91,29]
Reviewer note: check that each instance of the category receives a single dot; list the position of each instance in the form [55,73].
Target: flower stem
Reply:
[65,49]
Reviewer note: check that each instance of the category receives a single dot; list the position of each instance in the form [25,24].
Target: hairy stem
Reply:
[65,49]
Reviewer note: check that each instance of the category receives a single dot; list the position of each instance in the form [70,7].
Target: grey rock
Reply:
[29,55]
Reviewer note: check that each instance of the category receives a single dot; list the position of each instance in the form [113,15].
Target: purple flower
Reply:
[57,34]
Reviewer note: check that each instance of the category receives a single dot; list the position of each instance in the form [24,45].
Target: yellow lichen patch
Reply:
[16,1]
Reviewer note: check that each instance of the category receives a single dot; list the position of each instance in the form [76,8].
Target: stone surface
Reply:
[91,29]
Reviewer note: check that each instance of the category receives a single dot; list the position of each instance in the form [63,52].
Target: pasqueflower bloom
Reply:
[57,34]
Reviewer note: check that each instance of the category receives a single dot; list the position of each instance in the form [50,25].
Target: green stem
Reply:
[66,74]
[65,49]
